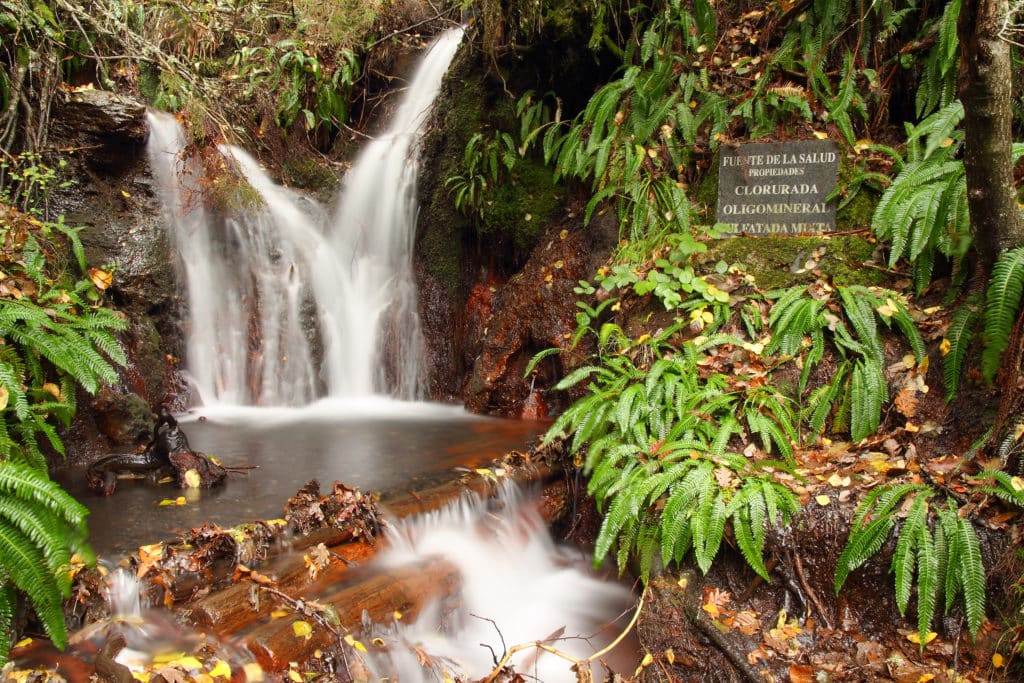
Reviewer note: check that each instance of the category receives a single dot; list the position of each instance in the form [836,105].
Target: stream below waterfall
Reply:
[372,444]
[304,352]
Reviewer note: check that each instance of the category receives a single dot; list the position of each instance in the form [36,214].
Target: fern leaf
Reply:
[972,572]
[960,334]
[1002,302]
[24,564]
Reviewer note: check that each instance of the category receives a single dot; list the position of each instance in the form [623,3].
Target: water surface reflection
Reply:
[374,444]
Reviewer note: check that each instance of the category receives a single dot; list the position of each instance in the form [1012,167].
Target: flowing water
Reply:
[288,302]
[314,311]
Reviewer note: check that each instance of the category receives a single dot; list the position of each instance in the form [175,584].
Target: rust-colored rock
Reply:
[534,310]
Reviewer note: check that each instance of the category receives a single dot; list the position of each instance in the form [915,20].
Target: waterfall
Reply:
[517,586]
[286,302]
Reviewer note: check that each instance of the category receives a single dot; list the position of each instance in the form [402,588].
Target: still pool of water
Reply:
[371,443]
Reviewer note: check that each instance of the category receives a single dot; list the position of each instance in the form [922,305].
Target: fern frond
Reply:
[1002,303]
[960,334]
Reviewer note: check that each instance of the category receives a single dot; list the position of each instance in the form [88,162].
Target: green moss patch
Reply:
[780,261]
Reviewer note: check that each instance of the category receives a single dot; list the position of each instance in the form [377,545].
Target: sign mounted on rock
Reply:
[769,188]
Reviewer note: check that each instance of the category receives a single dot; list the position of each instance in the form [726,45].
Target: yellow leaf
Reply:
[378,642]
[647,660]
[397,615]
[823,500]
[355,643]
[125,194]
[944,347]
[909,362]
[946,143]
[642,338]
[222,668]
[278,613]
[838,481]
[142,676]
[188,663]
[22,643]
[167,501]
[180,500]
[101,279]
[4,397]
[192,479]
[915,637]
[820,135]
[670,656]
[997,660]
[294,675]
[302,629]
[924,678]
[253,672]
[52,389]
[1017,483]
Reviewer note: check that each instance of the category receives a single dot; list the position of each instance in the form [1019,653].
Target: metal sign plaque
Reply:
[770,188]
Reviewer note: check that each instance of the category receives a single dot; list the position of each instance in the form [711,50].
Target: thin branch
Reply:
[577,662]
[400,31]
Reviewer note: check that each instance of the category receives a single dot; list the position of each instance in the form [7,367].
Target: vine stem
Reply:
[577,662]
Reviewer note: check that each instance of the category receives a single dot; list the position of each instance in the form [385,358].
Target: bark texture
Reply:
[985,90]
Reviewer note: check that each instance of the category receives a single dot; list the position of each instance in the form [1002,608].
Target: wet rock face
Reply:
[125,419]
[113,197]
[534,310]
[109,129]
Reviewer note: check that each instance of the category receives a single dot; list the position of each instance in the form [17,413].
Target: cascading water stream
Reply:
[517,587]
[287,305]
[284,305]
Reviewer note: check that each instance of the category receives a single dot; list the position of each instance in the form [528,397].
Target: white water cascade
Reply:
[285,304]
[517,586]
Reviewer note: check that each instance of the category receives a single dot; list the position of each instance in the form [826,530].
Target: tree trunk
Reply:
[985,90]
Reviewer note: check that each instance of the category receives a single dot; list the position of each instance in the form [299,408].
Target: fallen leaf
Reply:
[221,669]
[4,397]
[800,673]
[302,629]
[101,279]
[52,389]
[915,637]
[997,660]
[253,672]
[355,643]
[192,479]
[822,500]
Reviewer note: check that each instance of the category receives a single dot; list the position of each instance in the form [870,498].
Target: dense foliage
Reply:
[57,336]
[689,429]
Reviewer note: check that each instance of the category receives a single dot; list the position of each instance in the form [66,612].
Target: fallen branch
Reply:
[400,31]
[580,666]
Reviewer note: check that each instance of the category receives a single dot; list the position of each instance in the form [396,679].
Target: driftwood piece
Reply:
[231,609]
[404,590]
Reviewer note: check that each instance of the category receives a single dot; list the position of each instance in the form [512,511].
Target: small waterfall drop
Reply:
[285,303]
[517,587]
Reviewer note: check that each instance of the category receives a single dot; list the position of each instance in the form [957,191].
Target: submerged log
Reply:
[231,610]
[404,590]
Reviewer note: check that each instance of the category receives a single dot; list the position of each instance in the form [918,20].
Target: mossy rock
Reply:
[303,171]
[521,208]
[777,262]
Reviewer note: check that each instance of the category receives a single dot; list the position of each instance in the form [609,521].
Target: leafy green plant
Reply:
[934,545]
[41,526]
[1002,304]
[923,213]
[858,384]
[56,338]
[486,162]
[653,434]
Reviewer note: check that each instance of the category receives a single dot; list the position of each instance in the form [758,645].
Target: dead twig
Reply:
[581,666]
[810,593]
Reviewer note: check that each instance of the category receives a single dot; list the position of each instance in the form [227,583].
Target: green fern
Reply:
[1002,303]
[960,335]
[941,557]
[40,527]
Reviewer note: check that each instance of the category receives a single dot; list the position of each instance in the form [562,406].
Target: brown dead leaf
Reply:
[906,402]
[801,673]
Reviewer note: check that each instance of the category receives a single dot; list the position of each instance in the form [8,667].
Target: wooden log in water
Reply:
[404,590]
[231,609]
[406,503]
